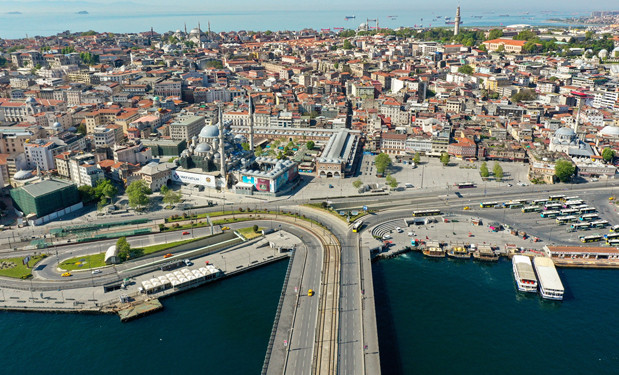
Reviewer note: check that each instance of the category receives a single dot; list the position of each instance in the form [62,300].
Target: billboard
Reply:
[194,179]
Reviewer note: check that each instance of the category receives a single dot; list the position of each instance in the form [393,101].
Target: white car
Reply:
[94,272]
[387,237]
[399,230]
[411,234]
[409,185]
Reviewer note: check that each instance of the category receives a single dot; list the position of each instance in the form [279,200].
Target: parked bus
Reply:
[540,202]
[611,236]
[614,229]
[600,224]
[557,197]
[572,203]
[614,243]
[549,214]
[562,220]
[464,185]
[531,209]
[426,213]
[514,205]
[357,227]
[553,206]
[572,198]
[592,238]
[488,204]
[588,217]
[587,210]
[569,211]
[581,226]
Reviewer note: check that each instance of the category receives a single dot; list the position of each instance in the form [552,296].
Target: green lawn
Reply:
[249,233]
[20,271]
[164,246]
[84,262]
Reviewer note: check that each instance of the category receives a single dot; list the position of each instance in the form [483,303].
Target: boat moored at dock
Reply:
[524,274]
[459,252]
[433,250]
[486,254]
[550,286]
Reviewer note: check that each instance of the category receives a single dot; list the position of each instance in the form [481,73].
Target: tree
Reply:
[258,151]
[245,146]
[526,35]
[347,44]
[138,194]
[87,193]
[102,203]
[215,64]
[495,33]
[498,171]
[164,189]
[171,197]
[255,228]
[524,96]
[417,158]
[608,154]
[445,158]
[123,248]
[310,145]
[465,69]
[105,189]
[391,181]
[483,170]
[564,170]
[382,162]
[357,184]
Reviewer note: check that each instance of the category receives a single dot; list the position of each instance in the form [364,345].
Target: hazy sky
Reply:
[340,5]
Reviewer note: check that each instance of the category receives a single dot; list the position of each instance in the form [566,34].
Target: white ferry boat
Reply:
[550,286]
[523,273]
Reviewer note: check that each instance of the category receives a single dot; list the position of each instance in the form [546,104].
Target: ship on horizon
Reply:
[350,17]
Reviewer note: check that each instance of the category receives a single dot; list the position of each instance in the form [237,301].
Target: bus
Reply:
[488,204]
[549,214]
[557,197]
[514,205]
[523,201]
[611,236]
[572,203]
[465,185]
[569,211]
[592,238]
[531,209]
[614,243]
[539,202]
[581,226]
[587,210]
[562,220]
[600,224]
[614,229]
[357,227]
[426,213]
[588,217]
[572,198]
[553,206]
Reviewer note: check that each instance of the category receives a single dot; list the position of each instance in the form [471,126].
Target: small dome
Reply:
[610,131]
[72,129]
[195,31]
[57,125]
[209,131]
[203,148]
[31,100]
[565,131]
[22,175]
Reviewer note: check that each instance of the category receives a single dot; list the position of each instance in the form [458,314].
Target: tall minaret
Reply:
[222,155]
[251,124]
[457,22]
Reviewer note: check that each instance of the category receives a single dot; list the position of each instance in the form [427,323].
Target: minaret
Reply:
[222,156]
[457,22]
[251,125]
[209,28]
[185,28]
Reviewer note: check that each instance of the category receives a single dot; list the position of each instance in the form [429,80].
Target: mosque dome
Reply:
[203,148]
[195,31]
[22,175]
[565,132]
[610,131]
[57,125]
[72,129]
[209,131]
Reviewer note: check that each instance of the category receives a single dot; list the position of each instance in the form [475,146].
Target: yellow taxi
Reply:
[66,274]
[310,292]
[466,208]
[611,198]
[225,228]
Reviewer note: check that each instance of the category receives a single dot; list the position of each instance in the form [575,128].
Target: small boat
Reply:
[434,250]
[486,254]
[458,252]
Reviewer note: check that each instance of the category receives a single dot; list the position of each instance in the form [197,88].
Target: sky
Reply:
[155,6]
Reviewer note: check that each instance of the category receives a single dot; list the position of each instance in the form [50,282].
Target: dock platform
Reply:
[139,310]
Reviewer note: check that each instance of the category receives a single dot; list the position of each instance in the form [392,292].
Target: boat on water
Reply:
[458,252]
[486,254]
[434,250]
[350,17]
[550,285]
[524,274]
[503,15]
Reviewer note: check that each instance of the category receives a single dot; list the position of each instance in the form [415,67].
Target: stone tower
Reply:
[251,124]
[457,22]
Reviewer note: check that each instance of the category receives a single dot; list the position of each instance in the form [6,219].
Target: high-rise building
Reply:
[457,22]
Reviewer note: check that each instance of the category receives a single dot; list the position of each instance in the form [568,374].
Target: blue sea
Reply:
[33,23]
[462,317]
[220,328]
